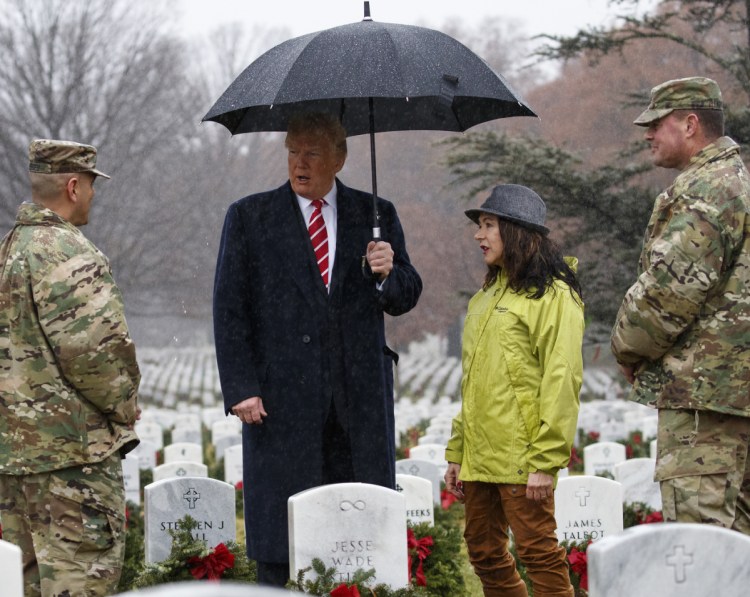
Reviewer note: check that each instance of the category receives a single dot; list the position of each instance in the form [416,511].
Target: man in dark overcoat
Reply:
[299,334]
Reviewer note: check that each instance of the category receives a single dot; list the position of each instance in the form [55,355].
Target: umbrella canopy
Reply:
[375,77]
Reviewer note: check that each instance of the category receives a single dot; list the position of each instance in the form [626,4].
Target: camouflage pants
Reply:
[703,468]
[70,525]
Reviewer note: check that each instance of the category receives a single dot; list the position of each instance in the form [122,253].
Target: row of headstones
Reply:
[212,504]
[635,475]
[426,374]
[610,419]
[664,560]
[184,457]
[351,526]
[603,457]
[410,413]
[615,419]
[168,376]
[586,507]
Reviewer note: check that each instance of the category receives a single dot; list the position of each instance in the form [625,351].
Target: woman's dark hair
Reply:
[531,261]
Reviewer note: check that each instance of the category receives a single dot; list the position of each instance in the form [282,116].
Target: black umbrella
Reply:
[375,77]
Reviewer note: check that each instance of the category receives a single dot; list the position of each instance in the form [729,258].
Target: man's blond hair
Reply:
[319,124]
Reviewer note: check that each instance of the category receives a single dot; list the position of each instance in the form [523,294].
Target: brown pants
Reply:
[490,510]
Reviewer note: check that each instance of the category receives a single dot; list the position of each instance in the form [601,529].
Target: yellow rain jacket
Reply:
[522,372]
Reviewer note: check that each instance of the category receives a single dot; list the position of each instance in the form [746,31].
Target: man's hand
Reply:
[250,410]
[452,484]
[539,487]
[380,258]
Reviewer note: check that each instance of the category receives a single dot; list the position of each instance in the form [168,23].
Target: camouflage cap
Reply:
[692,93]
[50,156]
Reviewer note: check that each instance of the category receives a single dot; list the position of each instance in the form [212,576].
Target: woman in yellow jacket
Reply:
[522,371]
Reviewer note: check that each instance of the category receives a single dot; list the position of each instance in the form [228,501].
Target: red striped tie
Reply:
[319,238]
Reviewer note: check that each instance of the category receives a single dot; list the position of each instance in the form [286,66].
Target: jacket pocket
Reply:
[85,521]
[700,460]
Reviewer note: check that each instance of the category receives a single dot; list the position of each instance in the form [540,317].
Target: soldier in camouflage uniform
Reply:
[69,385]
[682,335]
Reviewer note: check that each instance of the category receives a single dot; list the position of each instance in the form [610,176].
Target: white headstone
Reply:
[426,470]
[165,417]
[430,452]
[350,526]
[150,431]
[224,442]
[212,414]
[183,451]
[611,431]
[11,569]
[209,501]
[225,426]
[233,464]
[638,485]
[649,427]
[187,435]
[587,507]
[187,420]
[179,468]
[418,495]
[131,475]
[670,560]
[433,438]
[146,454]
[602,457]
[652,448]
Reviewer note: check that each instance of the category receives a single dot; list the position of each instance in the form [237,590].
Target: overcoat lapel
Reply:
[350,245]
[299,258]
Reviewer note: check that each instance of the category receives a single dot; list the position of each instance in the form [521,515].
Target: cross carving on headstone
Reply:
[582,494]
[680,561]
[414,469]
[192,496]
[398,487]
[606,451]
[180,472]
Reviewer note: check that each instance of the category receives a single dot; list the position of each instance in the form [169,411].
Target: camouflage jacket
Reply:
[69,376]
[685,323]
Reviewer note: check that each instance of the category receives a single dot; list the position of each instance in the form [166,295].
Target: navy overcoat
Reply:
[279,335]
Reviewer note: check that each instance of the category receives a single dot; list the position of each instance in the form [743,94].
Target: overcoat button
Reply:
[306,339]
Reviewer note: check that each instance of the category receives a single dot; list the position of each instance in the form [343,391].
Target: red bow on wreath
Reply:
[343,591]
[213,565]
[422,547]
[579,564]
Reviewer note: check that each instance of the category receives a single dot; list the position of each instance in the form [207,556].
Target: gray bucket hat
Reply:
[516,204]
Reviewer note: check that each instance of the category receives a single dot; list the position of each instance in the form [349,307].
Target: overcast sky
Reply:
[306,16]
